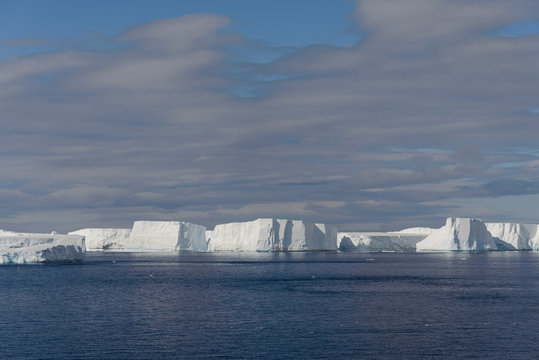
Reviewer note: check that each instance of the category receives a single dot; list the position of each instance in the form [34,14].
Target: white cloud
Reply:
[121,133]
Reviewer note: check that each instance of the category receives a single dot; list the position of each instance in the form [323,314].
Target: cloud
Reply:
[146,129]
[177,35]
[87,197]
[504,187]
[415,21]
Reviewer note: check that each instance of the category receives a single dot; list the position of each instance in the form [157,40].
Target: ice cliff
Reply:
[166,236]
[272,235]
[98,239]
[459,234]
[21,248]
[514,236]
[363,241]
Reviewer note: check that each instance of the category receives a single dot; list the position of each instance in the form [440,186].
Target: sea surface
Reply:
[319,305]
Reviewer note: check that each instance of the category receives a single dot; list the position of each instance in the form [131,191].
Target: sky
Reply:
[370,115]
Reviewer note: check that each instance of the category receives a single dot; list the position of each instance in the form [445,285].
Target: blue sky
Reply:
[366,114]
[273,23]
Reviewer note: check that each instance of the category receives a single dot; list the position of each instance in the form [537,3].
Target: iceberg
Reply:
[166,236]
[24,248]
[390,241]
[459,234]
[272,235]
[99,239]
[417,230]
[513,236]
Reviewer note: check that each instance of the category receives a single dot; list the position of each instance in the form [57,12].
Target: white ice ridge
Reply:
[459,234]
[272,235]
[98,239]
[417,230]
[22,248]
[512,236]
[166,236]
[363,241]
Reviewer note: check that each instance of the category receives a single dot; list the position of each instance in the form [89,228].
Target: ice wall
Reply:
[35,248]
[515,236]
[459,234]
[99,239]
[166,236]
[272,235]
[361,241]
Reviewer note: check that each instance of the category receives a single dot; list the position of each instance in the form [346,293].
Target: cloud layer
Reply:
[428,108]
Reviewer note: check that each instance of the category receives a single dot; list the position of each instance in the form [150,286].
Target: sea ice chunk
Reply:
[459,234]
[22,248]
[272,235]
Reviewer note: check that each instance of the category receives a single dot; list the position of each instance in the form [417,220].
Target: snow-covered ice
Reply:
[416,230]
[22,248]
[166,236]
[272,235]
[99,239]
[459,234]
[392,241]
[513,236]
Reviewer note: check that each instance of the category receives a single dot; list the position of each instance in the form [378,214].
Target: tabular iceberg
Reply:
[98,239]
[166,236]
[459,234]
[19,248]
[512,236]
[379,241]
[272,235]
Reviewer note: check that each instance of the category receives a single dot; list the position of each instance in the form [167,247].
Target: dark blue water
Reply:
[274,306]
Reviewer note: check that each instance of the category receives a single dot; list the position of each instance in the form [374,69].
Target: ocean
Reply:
[316,305]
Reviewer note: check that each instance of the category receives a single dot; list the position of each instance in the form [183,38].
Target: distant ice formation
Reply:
[417,230]
[22,248]
[166,236]
[379,241]
[98,239]
[272,235]
[512,236]
[147,236]
[459,234]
